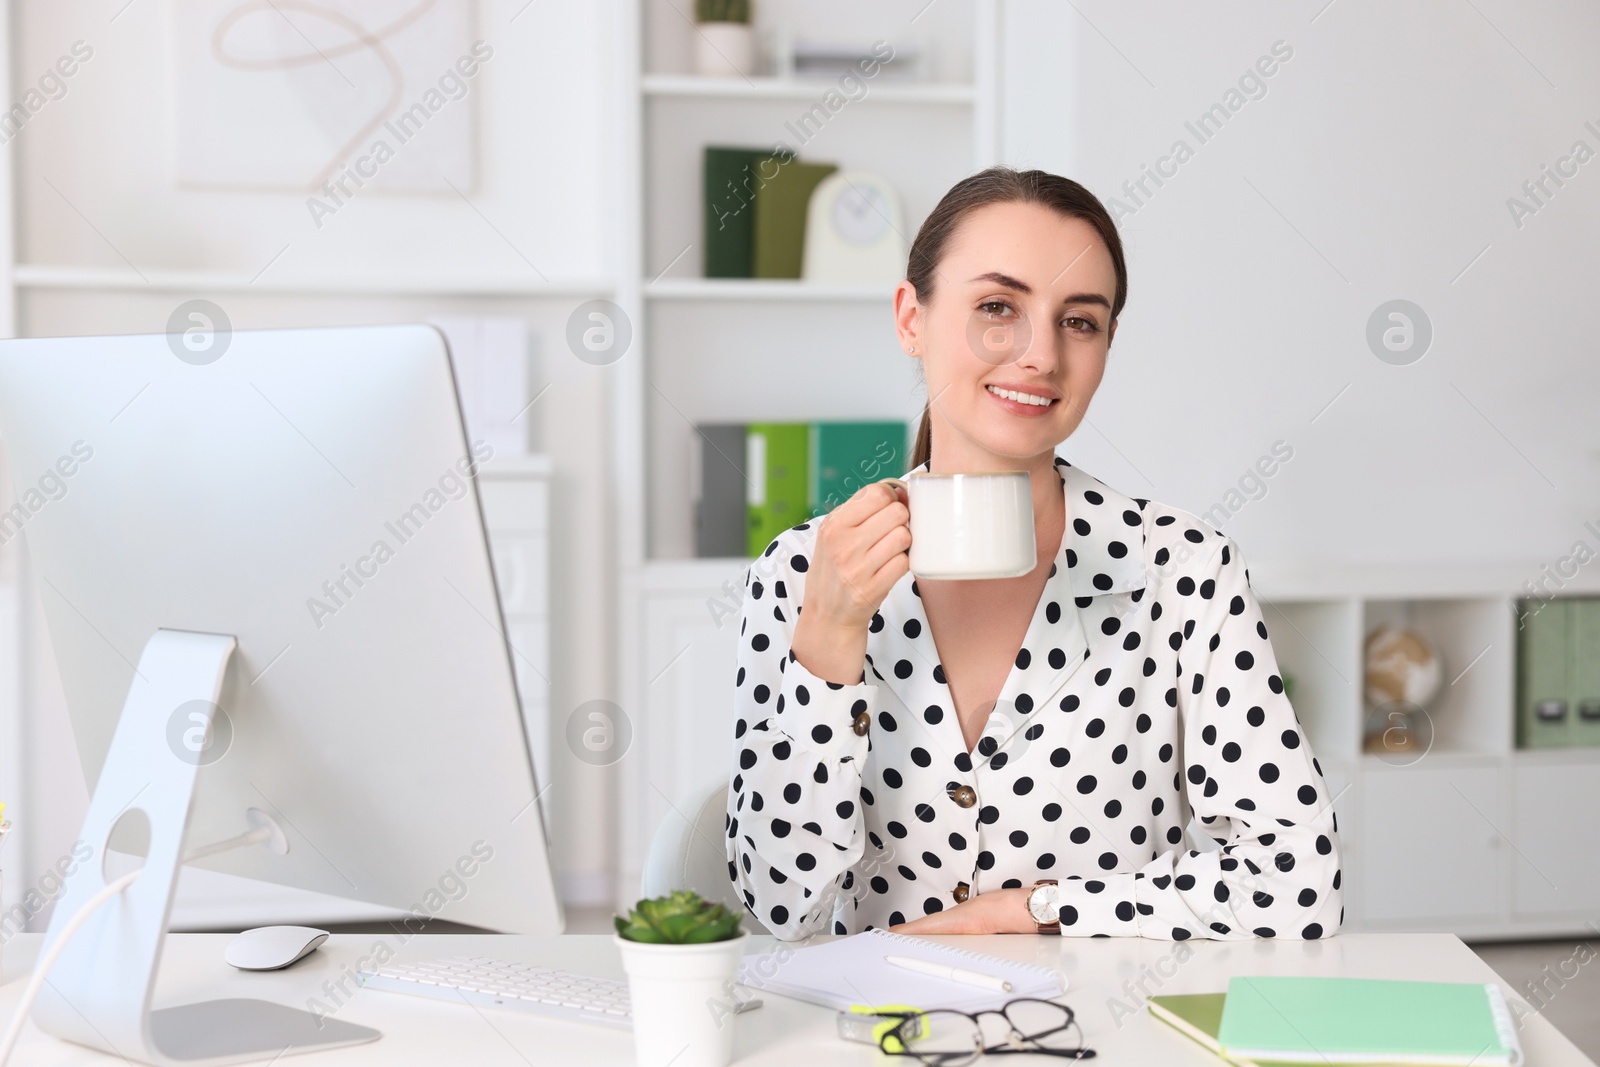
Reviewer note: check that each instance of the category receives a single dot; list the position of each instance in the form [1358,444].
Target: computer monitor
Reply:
[272,603]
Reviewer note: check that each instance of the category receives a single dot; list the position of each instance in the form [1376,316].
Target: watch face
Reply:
[1042,903]
[860,214]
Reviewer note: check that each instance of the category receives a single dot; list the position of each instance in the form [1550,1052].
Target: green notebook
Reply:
[1366,1020]
[781,202]
[1196,1016]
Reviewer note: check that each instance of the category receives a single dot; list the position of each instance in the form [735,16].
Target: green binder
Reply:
[775,463]
[1544,655]
[730,182]
[781,201]
[1585,692]
[848,455]
[1366,1020]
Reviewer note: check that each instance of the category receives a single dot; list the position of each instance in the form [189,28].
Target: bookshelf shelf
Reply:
[49,276]
[759,289]
[762,88]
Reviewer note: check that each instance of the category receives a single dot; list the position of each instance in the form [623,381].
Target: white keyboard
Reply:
[518,986]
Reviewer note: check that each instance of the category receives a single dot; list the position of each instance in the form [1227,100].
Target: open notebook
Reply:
[851,970]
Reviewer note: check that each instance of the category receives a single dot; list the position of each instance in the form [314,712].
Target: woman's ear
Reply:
[1111,333]
[908,319]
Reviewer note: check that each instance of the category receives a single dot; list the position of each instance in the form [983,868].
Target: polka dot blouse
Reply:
[1146,690]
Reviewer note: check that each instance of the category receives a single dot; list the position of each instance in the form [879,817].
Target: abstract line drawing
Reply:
[276,94]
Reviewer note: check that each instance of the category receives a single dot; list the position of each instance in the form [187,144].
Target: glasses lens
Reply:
[949,1038]
[1031,1018]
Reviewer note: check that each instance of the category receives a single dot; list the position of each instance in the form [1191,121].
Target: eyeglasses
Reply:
[945,1038]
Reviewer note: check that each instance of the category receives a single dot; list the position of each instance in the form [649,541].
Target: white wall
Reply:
[1390,141]
[109,147]
[543,154]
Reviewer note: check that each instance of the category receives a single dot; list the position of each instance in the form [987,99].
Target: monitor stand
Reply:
[99,990]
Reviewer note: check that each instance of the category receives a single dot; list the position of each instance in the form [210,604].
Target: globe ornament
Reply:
[1401,667]
[1403,675]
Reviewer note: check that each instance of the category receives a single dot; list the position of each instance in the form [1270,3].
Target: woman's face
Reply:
[1021,305]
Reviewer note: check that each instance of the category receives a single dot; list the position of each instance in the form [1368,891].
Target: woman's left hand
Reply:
[999,911]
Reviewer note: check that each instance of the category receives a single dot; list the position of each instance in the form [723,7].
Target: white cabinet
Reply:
[516,513]
[1556,865]
[683,732]
[1429,845]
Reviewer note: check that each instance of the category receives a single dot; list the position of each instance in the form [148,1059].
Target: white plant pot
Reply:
[724,49]
[682,1011]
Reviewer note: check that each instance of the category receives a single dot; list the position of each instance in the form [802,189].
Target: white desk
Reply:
[420,1031]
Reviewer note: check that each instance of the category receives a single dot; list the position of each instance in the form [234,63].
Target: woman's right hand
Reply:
[860,552]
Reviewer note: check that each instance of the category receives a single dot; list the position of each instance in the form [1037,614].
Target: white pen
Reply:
[955,974]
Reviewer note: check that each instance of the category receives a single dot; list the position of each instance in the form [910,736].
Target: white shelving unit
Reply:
[708,349]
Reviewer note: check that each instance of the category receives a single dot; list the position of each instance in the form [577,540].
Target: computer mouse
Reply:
[271,948]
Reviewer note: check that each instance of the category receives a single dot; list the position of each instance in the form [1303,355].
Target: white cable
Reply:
[42,968]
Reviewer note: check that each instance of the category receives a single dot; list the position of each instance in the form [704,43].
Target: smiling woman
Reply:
[1020,755]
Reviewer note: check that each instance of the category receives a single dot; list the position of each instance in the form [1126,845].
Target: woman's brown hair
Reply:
[1003,185]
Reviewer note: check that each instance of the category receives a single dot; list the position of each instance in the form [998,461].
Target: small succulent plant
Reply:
[682,917]
[722,10]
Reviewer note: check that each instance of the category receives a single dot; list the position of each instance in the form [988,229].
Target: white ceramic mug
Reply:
[977,525]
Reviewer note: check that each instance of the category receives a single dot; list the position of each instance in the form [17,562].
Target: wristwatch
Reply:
[1044,905]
